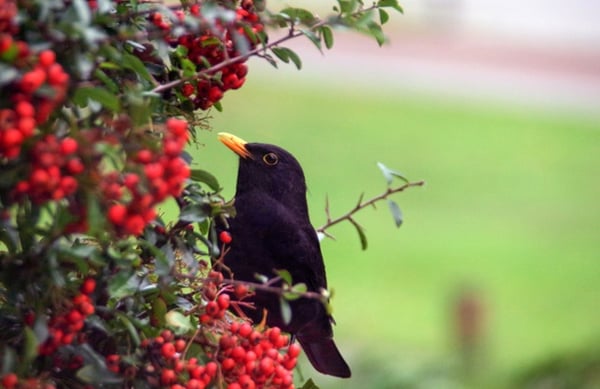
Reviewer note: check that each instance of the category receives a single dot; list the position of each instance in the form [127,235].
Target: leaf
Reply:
[133,333]
[99,95]
[327,36]
[376,32]
[312,37]
[286,310]
[361,233]
[179,321]
[295,292]
[383,16]
[390,4]
[194,213]
[284,275]
[207,178]
[299,14]
[389,174]
[31,345]
[134,63]
[396,212]
[310,384]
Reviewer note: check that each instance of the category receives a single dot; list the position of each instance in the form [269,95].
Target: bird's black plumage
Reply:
[271,230]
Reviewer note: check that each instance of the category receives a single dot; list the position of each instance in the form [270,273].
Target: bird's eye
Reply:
[271,159]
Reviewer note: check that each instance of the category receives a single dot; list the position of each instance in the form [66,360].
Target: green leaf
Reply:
[327,36]
[312,37]
[133,333]
[376,32]
[31,345]
[390,4]
[286,310]
[284,275]
[299,14]
[295,292]
[207,178]
[310,384]
[106,80]
[98,94]
[179,321]
[134,63]
[287,55]
[396,212]
[361,234]
[389,174]
[194,213]
[347,6]
[383,16]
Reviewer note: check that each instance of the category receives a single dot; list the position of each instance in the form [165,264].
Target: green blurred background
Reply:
[495,274]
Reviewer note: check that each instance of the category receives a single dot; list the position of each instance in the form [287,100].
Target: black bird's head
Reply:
[269,170]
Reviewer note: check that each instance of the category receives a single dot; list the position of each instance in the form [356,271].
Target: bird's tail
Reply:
[324,355]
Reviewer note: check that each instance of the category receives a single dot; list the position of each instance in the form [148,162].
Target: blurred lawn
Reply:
[511,207]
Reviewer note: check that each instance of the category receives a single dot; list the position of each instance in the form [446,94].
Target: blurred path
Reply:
[459,67]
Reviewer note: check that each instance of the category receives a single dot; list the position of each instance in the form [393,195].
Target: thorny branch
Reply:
[361,204]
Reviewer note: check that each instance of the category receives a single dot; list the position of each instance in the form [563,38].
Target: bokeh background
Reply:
[494,278]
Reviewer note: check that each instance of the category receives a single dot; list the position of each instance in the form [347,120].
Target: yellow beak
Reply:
[237,145]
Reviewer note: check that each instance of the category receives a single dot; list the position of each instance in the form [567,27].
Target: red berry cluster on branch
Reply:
[64,327]
[159,175]
[54,168]
[42,85]
[213,47]
[253,359]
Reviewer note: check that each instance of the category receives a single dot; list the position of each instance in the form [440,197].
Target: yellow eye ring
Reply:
[270,159]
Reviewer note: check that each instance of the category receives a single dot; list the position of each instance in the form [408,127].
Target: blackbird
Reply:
[271,231]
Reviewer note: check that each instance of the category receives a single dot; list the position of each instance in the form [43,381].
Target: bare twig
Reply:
[361,205]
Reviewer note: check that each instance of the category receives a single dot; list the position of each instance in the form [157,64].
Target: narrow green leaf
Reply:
[207,178]
[312,37]
[295,59]
[31,345]
[134,63]
[376,32]
[327,36]
[126,321]
[396,212]
[361,234]
[286,310]
[389,174]
[281,53]
[383,16]
[98,94]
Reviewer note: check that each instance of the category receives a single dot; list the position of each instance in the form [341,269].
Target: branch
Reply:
[363,204]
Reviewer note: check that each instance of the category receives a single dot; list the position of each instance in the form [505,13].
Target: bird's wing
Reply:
[294,245]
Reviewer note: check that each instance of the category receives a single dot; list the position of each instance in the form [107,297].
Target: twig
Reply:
[361,205]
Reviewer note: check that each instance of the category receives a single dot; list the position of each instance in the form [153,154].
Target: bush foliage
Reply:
[99,100]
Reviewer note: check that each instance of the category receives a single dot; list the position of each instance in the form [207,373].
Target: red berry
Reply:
[24,109]
[32,80]
[116,214]
[11,138]
[212,308]
[47,58]
[240,291]
[245,330]
[215,93]
[225,237]
[68,146]
[168,350]
[10,380]
[167,377]
[223,301]
[88,286]
[180,345]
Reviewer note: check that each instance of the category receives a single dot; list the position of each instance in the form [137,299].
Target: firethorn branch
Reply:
[361,205]
[292,34]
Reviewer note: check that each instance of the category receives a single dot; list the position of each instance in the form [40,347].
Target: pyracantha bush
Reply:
[98,101]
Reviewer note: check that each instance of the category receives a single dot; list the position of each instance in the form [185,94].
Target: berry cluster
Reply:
[160,174]
[167,366]
[54,168]
[251,359]
[11,381]
[211,48]
[64,328]
[43,86]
